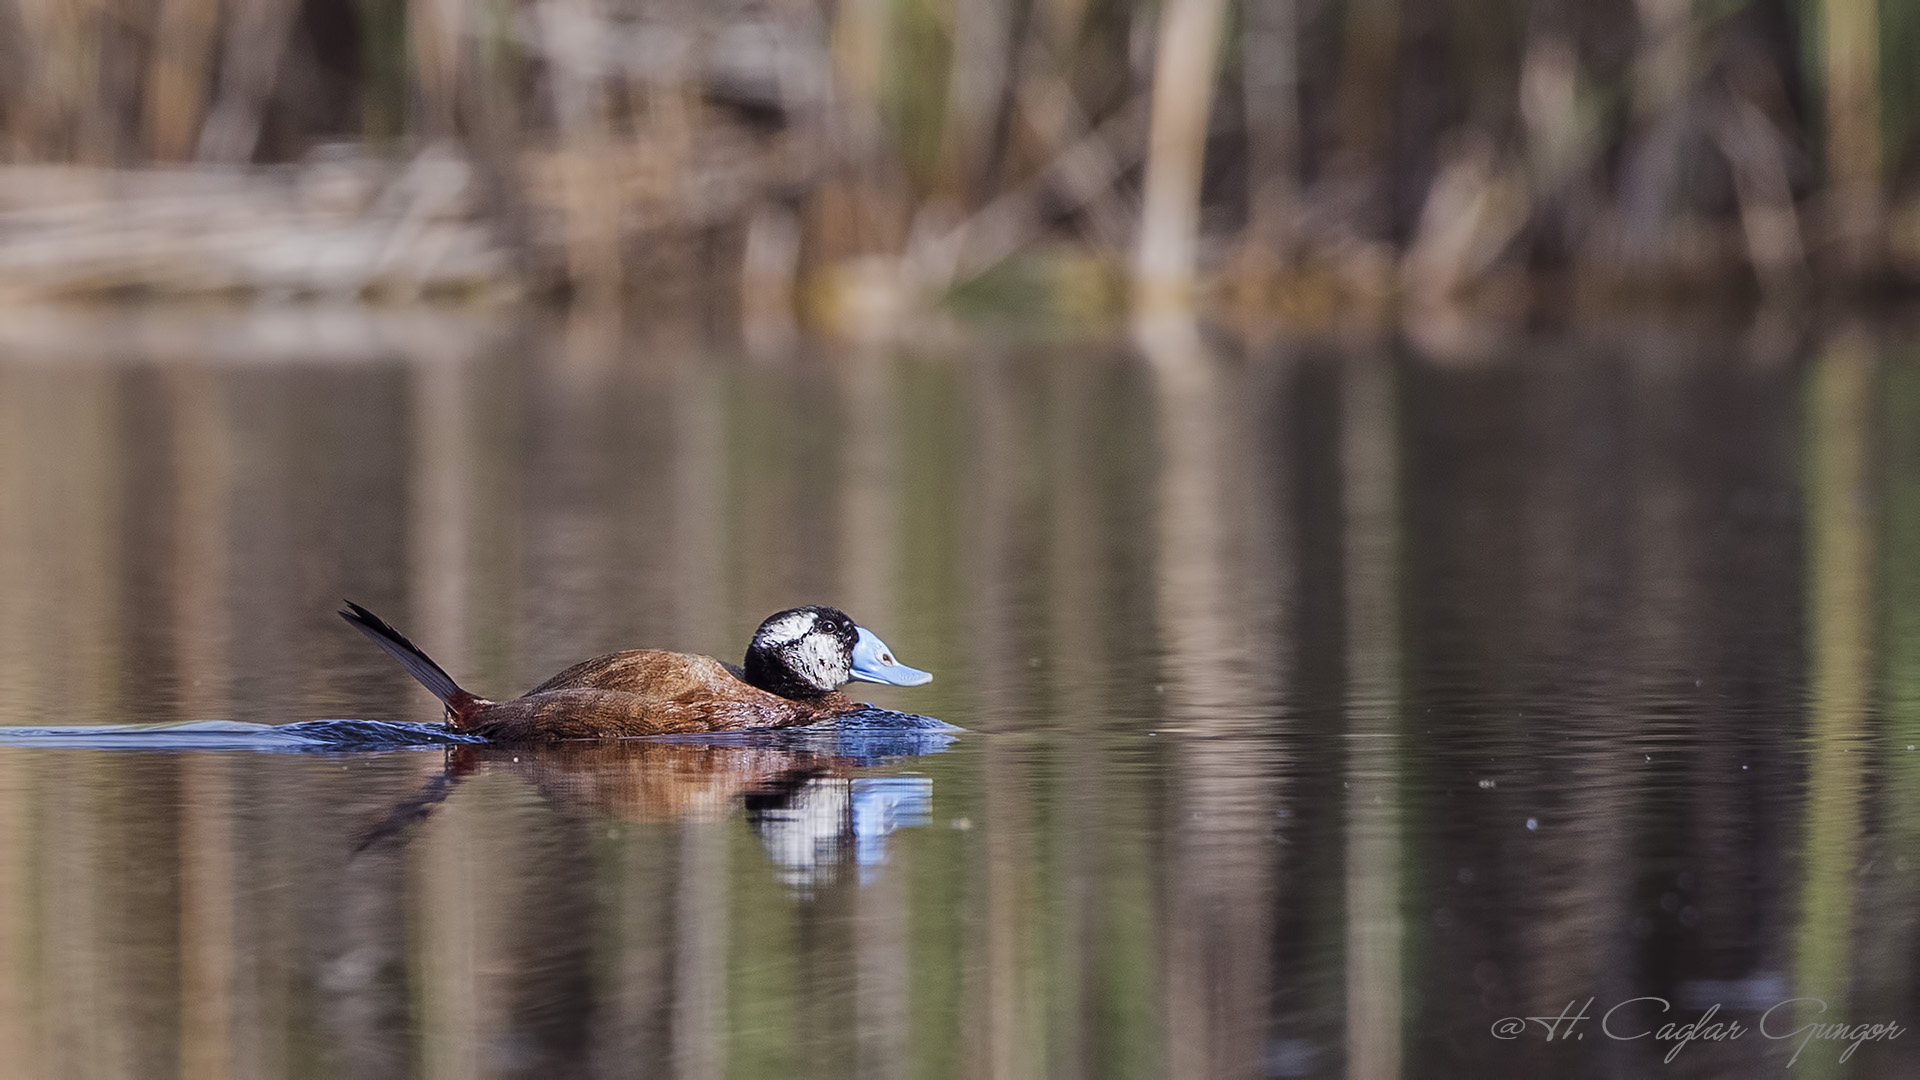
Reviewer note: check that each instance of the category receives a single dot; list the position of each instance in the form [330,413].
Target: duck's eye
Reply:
[886,658]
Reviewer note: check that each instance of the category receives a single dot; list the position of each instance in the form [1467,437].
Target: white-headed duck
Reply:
[795,666]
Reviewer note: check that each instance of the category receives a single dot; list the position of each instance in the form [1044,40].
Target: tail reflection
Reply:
[813,814]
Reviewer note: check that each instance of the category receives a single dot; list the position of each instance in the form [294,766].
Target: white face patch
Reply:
[821,659]
[788,628]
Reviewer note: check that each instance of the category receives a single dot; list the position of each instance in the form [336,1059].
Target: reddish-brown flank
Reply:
[641,692]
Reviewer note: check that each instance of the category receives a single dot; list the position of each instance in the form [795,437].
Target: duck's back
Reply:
[654,674]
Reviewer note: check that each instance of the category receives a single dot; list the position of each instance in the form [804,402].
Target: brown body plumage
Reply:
[796,662]
[643,692]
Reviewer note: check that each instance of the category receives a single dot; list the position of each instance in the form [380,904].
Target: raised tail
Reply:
[460,704]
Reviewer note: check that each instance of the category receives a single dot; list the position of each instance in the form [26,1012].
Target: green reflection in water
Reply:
[1375,924]
[1840,679]
[1899,429]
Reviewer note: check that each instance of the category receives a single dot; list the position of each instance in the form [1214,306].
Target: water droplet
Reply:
[1533,825]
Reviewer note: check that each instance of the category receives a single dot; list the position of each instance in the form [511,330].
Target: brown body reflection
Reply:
[811,809]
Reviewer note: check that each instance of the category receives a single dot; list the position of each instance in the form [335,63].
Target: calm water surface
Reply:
[1328,705]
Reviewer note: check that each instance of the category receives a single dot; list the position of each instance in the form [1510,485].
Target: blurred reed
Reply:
[858,161]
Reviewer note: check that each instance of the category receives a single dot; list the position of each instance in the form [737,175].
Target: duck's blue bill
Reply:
[874,662]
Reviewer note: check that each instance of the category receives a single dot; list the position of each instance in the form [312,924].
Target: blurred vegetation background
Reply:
[852,160]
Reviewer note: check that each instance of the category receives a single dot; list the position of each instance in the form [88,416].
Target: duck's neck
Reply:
[811,711]
[776,678]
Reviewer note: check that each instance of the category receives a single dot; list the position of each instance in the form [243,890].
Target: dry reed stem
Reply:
[1183,83]
[1850,34]
[177,76]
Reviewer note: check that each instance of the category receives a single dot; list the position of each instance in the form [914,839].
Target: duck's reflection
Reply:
[808,800]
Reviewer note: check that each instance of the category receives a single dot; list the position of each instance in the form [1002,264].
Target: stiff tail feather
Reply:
[459,703]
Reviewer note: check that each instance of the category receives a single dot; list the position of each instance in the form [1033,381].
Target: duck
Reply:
[796,663]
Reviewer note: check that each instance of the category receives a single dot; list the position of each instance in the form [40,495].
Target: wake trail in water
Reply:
[306,736]
[869,732]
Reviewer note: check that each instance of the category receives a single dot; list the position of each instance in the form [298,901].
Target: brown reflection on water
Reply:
[1329,704]
[636,782]
[1220,560]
